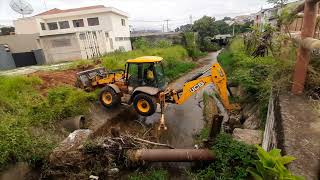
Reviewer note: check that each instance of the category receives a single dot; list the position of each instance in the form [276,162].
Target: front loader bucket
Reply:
[85,78]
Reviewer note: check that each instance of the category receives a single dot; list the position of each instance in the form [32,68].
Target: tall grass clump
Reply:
[27,117]
[176,60]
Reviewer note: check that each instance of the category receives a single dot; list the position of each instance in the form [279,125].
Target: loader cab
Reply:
[145,71]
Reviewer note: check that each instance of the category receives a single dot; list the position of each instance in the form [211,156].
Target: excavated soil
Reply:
[55,78]
[128,122]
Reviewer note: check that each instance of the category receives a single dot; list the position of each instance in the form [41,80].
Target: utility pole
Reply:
[45,5]
[233,29]
[167,20]
[191,19]
[162,27]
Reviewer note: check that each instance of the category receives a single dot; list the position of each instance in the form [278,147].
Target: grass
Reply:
[27,130]
[175,58]
[152,174]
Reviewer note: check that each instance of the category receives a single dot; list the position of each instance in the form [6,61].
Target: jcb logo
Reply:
[197,86]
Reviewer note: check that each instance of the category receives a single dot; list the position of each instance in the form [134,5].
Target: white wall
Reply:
[26,26]
[121,31]
[55,54]
[21,42]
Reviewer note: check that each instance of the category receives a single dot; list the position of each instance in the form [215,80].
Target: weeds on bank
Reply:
[233,158]
[27,118]
[258,76]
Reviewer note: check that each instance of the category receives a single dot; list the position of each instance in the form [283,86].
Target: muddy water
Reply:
[184,121]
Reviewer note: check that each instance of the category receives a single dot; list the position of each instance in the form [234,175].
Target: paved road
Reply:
[184,121]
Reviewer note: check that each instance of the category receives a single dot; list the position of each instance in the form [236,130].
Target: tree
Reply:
[184,28]
[280,3]
[205,27]
[6,30]
[223,27]
[227,19]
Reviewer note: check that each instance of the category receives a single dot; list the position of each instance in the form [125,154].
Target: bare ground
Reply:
[301,125]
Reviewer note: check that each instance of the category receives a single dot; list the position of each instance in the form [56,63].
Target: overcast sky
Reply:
[140,11]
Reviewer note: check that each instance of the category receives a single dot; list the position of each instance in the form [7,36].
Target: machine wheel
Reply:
[109,98]
[144,104]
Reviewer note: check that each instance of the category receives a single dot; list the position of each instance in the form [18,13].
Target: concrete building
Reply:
[267,17]
[80,33]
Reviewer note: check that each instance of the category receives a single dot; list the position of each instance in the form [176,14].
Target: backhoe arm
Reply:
[217,77]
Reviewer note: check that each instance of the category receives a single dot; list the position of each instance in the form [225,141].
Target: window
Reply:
[93,21]
[78,23]
[52,26]
[107,35]
[64,24]
[43,26]
[60,43]
[123,22]
[122,38]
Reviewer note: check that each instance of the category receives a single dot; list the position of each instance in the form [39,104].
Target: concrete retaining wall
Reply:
[273,132]
[21,42]
[6,59]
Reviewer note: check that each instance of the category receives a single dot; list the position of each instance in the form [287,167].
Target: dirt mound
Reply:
[55,78]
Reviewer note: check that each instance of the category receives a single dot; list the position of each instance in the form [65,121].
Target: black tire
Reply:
[108,97]
[146,100]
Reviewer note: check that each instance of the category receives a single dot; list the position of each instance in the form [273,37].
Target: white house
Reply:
[78,33]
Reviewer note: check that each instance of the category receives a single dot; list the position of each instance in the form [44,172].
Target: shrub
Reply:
[190,42]
[233,158]
[207,45]
[162,44]
[141,43]
[271,165]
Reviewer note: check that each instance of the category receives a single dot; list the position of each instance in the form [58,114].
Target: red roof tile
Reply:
[57,11]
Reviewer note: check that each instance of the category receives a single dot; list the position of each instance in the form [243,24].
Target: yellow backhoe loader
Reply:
[142,83]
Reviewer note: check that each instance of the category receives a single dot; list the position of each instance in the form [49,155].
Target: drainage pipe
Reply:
[170,155]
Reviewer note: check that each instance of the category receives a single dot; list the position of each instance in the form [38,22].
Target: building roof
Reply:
[146,59]
[58,11]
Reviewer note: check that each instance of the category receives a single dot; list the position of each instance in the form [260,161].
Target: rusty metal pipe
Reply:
[303,57]
[170,155]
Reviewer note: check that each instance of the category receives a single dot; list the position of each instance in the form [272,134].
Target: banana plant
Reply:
[271,165]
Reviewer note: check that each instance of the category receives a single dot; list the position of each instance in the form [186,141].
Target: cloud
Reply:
[149,10]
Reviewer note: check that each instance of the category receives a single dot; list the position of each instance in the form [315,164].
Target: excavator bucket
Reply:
[85,79]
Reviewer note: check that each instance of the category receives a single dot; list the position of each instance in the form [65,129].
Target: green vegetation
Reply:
[175,59]
[207,27]
[257,75]
[143,43]
[190,41]
[151,175]
[271,165]
[233,158]
[27,131]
